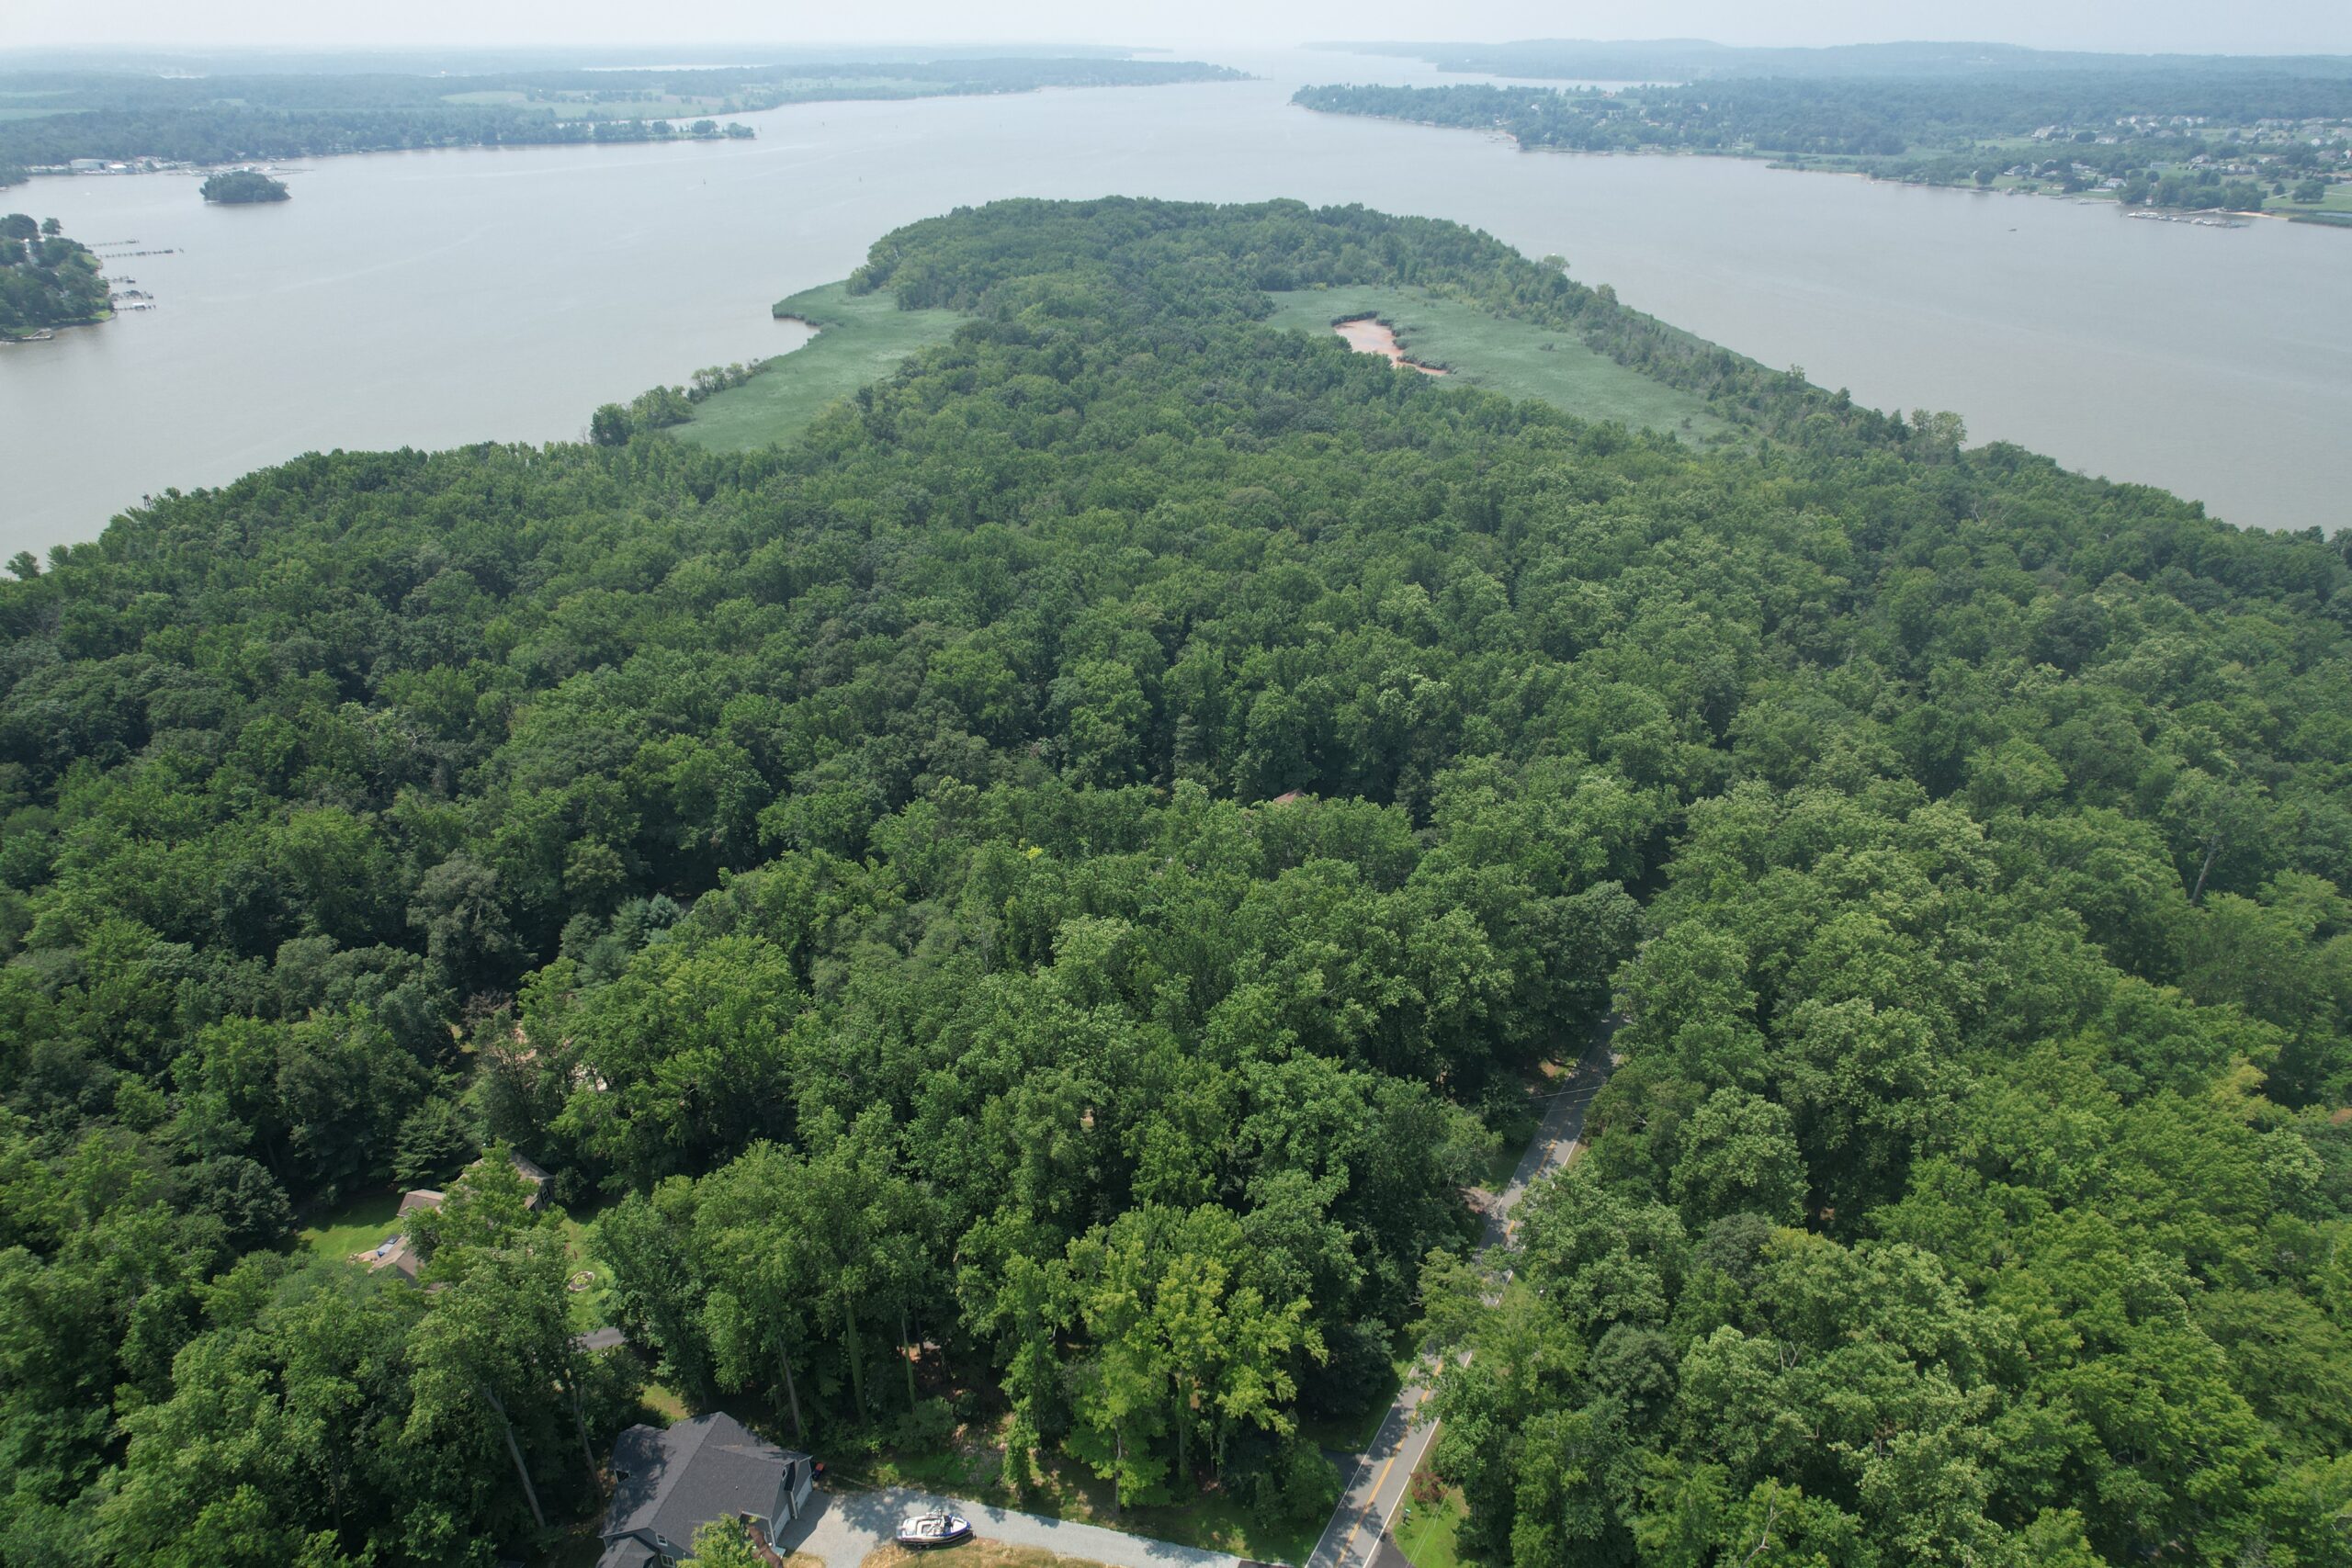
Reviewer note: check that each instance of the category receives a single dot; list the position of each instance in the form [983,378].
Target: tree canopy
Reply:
[46,279]
[236,187]
[1056,873]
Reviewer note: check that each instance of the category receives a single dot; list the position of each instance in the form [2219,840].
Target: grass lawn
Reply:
[1214,1520]
[1430,1534]
[362,1223]
[1515,359]
[666,1403]
[974,1468]
[1502,1160]
[860,339]
[591,1308]
[2338,199]
[971,1554]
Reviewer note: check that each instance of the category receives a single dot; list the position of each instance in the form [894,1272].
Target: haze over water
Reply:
[437,298]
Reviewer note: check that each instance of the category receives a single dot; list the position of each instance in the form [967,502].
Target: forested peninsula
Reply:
[203,118]
[46,279]
[1011,922]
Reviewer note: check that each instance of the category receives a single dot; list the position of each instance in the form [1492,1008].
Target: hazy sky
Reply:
[2193,26]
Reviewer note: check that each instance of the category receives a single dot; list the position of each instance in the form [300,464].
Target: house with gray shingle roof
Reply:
[669,1484]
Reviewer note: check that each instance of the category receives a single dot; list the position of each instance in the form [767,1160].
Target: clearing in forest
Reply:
[1519,360]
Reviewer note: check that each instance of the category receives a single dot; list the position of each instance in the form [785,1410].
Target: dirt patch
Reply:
[973,1554]
[1370,334]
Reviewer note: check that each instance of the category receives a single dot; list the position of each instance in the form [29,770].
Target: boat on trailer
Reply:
[939,1529]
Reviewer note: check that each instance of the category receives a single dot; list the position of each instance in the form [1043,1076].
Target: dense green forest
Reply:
[228,119]
[46,278]
[1060,868]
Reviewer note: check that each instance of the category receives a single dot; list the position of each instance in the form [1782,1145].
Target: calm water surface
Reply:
[434,299]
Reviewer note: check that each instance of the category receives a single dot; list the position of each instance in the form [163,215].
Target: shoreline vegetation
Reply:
[46,279]
[1005,926]
[100,122]
[859,339]
[2274,145]
[659,408]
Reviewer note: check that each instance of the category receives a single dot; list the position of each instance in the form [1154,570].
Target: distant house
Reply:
[669,1484]
[396,1253]
[526,1168]
[399,1253]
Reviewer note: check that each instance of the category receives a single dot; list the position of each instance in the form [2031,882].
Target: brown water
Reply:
[432,298]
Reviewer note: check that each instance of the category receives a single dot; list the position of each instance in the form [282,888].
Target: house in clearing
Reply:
[399,1254]
[669,1484]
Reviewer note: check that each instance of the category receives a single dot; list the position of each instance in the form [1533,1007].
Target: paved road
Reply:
[845,1526]
[1353,1537]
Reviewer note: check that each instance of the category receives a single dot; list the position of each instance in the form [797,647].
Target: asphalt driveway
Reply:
[845,1526]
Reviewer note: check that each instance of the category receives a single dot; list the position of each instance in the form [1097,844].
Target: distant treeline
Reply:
[1688,60]
[1858,118]
[227,134]
[223,119]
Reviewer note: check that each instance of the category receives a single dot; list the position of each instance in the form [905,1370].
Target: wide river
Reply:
[434,298]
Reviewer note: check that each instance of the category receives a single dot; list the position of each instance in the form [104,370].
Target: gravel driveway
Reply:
[845,1526]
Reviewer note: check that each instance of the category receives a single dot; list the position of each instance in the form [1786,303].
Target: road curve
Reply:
[1376,1485]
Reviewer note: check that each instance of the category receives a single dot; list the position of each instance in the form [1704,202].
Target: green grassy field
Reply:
[973,1467]
[860,339]
[362,1223]
[1428,1534]
[1514,358]
[2338,199]
[591,1308]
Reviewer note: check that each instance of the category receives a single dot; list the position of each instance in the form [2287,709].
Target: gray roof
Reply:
[674,1482]
[627,1553]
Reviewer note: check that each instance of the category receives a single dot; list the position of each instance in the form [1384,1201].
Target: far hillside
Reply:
[2228,138]
[49,118]
[1690,59]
